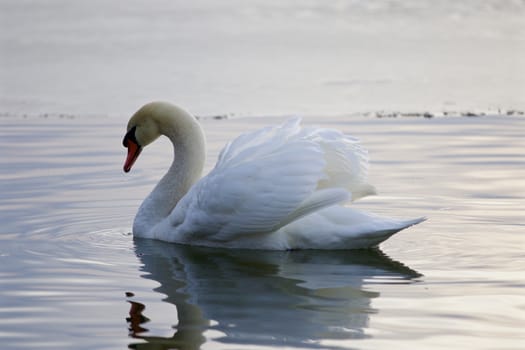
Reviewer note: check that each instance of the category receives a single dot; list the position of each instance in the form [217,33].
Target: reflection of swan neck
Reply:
[189,150]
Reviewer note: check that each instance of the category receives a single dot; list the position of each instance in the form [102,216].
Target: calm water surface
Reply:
[71,275]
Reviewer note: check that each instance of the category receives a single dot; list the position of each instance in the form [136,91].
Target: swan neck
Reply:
[186,168]
[188,160]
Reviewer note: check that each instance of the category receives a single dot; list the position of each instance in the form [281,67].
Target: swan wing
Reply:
[262,181]
[346,161]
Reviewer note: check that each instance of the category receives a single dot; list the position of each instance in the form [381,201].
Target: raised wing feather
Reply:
[346,161]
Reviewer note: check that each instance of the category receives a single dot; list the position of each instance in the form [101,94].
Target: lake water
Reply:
[71,74]
[68,261]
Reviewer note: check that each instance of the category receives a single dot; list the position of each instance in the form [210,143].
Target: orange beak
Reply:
[133,153]
[134,149]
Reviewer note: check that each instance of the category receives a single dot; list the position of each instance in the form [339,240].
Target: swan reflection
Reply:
[272,298]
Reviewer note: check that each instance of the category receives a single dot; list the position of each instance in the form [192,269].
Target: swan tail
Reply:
[412,222]
[343,228]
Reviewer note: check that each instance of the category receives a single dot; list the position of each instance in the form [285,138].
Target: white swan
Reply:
[275,188]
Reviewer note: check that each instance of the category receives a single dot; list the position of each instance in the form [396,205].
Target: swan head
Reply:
[142,130]
[151,121]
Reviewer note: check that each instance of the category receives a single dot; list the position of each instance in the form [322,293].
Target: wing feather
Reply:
[346,162]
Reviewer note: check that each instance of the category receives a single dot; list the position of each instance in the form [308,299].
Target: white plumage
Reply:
[279,187]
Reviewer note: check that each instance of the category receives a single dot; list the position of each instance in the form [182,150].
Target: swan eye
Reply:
[130,136]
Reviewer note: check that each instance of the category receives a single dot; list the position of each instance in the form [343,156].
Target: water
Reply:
[67,259]
[72,276]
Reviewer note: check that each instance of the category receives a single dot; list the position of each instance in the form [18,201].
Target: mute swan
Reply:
[275,188]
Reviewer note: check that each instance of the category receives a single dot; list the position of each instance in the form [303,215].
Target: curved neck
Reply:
[189,149]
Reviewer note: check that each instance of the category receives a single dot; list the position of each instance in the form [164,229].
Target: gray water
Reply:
[71,73]
[67,259]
